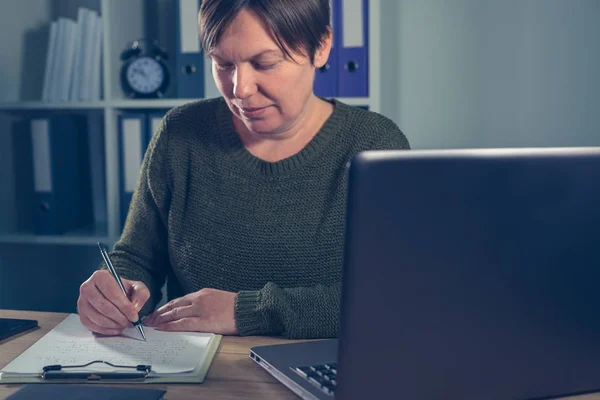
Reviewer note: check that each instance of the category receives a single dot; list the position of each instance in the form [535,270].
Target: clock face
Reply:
[145,75]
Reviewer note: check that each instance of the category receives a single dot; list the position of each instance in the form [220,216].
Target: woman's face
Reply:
[266,90]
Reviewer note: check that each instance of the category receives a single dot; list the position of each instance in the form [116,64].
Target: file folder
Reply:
[59,175]
[133,141]
[326,80]
[189,58]
[353,67]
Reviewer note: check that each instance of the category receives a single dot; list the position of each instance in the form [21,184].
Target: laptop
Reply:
[468,274]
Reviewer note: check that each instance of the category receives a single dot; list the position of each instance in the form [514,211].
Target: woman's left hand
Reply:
[207,310]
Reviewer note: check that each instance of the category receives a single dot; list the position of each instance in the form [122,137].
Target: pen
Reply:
[113,271]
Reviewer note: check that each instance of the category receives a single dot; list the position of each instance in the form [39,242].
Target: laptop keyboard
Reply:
[323,376]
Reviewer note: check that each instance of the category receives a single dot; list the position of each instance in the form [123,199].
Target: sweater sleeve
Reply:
[295,313]
[302,312]
[141,253]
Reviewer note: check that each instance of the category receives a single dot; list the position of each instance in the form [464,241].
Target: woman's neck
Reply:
[273,148]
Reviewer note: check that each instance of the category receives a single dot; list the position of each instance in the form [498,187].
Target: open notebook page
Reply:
[71,343]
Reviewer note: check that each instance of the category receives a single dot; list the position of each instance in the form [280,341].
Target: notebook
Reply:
[172,356]
[83,392]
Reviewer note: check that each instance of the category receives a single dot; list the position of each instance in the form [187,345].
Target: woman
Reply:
[241,199]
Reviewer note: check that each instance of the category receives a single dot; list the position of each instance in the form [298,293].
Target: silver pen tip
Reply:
[142,333]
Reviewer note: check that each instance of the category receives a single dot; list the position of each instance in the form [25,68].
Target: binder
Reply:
[189,58]
[50,60]
[96,149]
[22,164]
[119,359]
[133,141]
[80,50]
[353,59]
[94,86]
[326,80]
[66,73]
[154,121]
[92,38]
[60,175]
[58,65]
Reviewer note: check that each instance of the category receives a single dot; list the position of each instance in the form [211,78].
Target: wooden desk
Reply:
[232,374]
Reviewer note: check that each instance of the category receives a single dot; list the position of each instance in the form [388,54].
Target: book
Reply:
[84,392]
[172,356]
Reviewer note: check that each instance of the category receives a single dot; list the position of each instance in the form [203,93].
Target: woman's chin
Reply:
[261,127]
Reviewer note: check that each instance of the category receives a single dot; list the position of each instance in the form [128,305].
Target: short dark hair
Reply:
[299,25]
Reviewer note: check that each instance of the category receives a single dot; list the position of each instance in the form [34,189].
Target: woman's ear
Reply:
[322,53]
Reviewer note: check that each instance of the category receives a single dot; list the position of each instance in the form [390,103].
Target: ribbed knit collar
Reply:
[234,145]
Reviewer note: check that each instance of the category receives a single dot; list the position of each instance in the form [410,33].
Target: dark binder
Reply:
[53,174]
[133,142]
[81,392]
[189,57]
[353,48]
[326,77]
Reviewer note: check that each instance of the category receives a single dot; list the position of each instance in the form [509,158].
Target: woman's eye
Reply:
[223,67]
[264,65]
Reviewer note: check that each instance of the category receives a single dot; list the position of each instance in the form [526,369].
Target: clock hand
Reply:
[136,70]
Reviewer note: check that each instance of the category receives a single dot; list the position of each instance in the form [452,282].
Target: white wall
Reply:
[489,73]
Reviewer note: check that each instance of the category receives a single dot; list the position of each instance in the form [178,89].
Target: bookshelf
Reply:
[123,21]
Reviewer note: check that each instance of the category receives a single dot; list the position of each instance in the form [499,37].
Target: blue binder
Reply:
[97,154]
[326,80]
[353,49]
[133,141]
[58,179]
[189,57]
[154,121]
[23,174]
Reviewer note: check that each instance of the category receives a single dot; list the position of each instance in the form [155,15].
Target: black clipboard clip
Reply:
[53,372]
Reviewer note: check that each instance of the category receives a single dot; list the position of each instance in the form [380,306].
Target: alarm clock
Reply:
[144,73]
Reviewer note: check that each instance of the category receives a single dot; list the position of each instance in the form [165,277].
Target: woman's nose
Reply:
[244,84]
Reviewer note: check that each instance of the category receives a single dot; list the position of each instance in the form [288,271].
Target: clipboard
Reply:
[198,375]
[105,370]
[57,372]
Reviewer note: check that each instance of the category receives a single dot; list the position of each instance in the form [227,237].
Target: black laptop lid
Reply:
[472,274]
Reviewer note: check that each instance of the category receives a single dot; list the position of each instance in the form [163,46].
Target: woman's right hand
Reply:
[102,306]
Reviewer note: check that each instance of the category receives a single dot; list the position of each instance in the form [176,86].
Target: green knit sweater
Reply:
[208,214]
